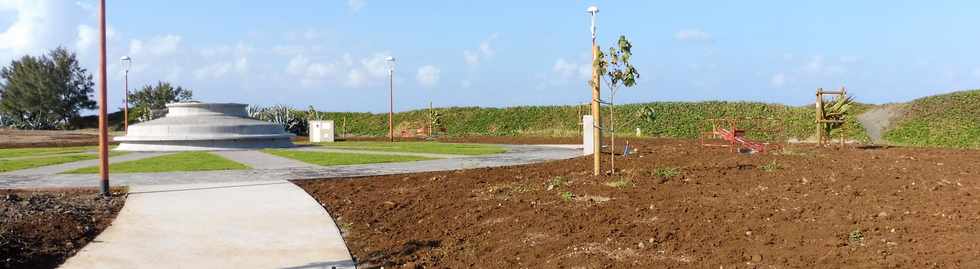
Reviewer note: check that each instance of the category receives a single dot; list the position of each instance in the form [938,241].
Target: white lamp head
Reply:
[593,10]
[125,58]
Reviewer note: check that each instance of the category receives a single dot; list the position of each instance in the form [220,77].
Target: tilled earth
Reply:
[41,229]
[675,204]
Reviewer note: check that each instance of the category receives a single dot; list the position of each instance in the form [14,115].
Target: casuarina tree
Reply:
[46,92]
[156,97]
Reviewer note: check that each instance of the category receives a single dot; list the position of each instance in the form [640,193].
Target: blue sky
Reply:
[329,54]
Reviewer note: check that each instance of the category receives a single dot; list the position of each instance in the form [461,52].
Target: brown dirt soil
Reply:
[11,138]
[42,228]
[674,205]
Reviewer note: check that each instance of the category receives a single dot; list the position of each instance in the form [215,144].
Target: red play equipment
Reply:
[727,130]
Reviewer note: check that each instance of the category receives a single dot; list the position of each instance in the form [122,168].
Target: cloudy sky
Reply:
[330,54]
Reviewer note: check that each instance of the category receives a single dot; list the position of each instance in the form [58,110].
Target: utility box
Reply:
[321,131]
[587,132]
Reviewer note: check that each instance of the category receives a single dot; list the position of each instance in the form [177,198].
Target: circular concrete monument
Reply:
[194,126]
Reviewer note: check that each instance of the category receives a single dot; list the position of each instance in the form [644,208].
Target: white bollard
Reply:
[587,125]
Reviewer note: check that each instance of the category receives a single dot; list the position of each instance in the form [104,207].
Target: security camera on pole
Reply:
[596,131]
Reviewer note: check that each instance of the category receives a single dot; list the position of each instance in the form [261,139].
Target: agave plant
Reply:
[290,119]
[837,110]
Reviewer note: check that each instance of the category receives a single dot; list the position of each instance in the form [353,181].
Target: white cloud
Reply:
[356,78]
[356,5]
[692,35]
[465,84]
[568,70]
[483,52]
[778,80]
[428,76]
[471,58]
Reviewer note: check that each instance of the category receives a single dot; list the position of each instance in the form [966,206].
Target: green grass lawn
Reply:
[177,162]
[419,147]
[18,164]
[32,152]
[331,158]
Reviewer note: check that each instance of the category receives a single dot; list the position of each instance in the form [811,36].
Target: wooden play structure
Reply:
[733,133]
[827,119]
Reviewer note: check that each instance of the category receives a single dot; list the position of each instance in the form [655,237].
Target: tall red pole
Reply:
[103,128]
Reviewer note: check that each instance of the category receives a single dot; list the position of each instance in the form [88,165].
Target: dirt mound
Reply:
[877,120]
[41,229]
[675,205]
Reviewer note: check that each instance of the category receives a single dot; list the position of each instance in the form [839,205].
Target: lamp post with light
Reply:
[390,63]
[127,62]
[596,132]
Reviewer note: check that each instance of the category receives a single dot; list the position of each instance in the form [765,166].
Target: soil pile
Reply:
[675,204]
[41,229]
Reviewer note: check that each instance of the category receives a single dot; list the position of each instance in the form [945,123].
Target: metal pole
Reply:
[596,119]
[103,128]
[126,103]
[391,104]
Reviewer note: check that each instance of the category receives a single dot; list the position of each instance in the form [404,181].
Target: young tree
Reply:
[618,71]
[151,97]
[46,92]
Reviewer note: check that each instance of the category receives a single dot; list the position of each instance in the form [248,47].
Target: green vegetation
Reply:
[45,92]
[949,120]
[666,172]
[25,158]
[555,183]
[620,183]
[567,195]
[420,147]
[673,119]
[177,162]
[151,97]
[330,158]
[37,152]
[771,166]
[7,165]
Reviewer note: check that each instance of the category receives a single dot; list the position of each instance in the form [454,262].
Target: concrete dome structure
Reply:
[196,126]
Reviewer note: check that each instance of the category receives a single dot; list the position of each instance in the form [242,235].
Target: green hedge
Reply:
[673,119]
[948,120]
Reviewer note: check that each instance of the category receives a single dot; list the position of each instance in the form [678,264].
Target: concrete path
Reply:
[271,224]
[260,160]
[516,155]
[375,152]
[65,167]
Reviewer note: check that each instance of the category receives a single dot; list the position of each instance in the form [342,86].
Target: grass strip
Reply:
[418,147]
[332,158]
[177,162]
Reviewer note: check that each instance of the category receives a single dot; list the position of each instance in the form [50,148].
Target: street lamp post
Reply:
[596,132]
[103,128]
[127,62]
[390,62]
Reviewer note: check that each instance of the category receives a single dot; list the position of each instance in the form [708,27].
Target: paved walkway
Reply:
[239,218]
[218,225]
[516,155]
[259,160]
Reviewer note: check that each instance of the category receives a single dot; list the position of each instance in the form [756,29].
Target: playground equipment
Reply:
[735,137]
[832,115]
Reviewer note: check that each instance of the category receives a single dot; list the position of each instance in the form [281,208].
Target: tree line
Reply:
[51,91]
